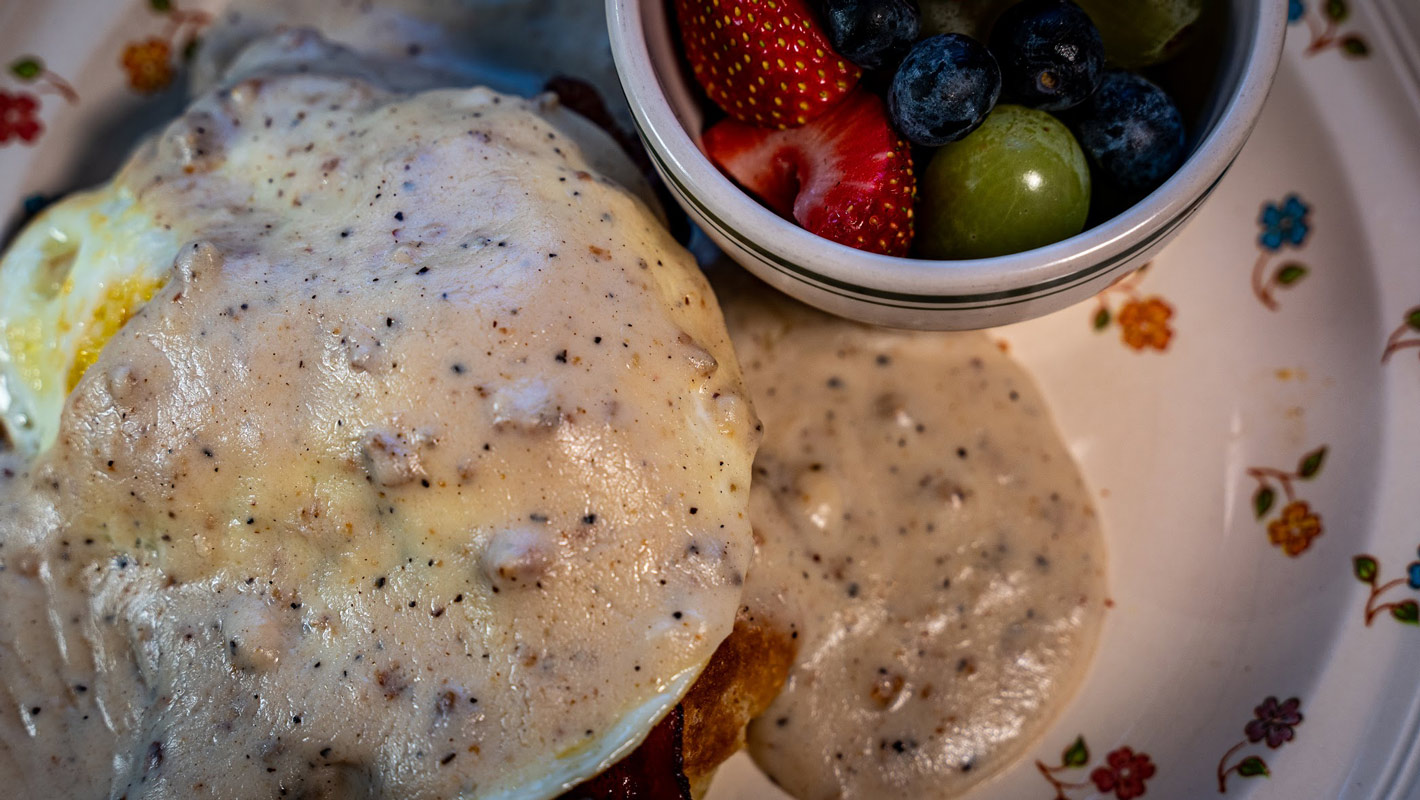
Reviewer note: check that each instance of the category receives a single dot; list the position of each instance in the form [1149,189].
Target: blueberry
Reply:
[871,33]
[1131,131]
[943,89]
[1050,52]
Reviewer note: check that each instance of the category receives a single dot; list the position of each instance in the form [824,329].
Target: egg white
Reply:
[570,768]
[68,283]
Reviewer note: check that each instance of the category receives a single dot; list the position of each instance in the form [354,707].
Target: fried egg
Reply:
[381,446]
[71,279]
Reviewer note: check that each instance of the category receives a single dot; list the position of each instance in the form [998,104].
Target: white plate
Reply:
[1210,618]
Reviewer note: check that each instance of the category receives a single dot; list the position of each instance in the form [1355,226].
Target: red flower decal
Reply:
[19,117]
[1124,774]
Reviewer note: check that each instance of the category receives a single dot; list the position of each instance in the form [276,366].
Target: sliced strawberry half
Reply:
[765,62]
[846,176]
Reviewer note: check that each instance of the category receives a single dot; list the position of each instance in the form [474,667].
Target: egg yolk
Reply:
[119,301]
[32,351]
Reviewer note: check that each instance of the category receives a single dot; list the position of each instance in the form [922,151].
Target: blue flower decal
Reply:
[1284,224]
[1413,574]
[1295,10]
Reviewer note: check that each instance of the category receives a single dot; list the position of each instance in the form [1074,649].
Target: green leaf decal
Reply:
[1262,501]
[1365,568]
[1412,318]
[190,49]
[1077,754]
[1354,46]
[1252,767]
[1407,612]
[1336,10]
[1311,463]
[1102,318]
[27,68]
[161,6]
[1289,274]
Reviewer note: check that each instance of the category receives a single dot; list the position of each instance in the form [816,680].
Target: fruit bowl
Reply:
[921,293]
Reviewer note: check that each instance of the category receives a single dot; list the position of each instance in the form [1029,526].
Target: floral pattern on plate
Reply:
[1146,323]
[19,109]
[149,63]
[1285,224]
[1367,570]
[1297,525]
[1274,724]
[1143,320]
[1323,27]
[1124,773]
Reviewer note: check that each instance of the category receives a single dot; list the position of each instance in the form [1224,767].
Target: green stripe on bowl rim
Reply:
[998,299]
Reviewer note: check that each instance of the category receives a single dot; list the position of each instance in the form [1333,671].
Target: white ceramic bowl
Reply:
[917,293]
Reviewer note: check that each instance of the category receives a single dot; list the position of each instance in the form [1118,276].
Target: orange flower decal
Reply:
[1146,323]
[1143,321]
[1297,525]
[149,65]
[1295,529]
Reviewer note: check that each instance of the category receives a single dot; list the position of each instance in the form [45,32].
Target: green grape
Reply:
[971,17]
[1019,181]
[1138,33]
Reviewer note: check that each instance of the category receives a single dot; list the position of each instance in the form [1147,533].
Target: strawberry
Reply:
[846,176]
[765,62]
